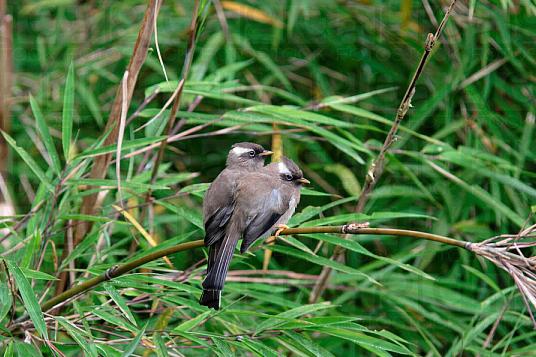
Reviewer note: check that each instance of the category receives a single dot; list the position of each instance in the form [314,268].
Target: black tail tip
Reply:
[211,299]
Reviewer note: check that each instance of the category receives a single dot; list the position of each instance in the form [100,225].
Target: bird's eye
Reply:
[252,153]
[288,177]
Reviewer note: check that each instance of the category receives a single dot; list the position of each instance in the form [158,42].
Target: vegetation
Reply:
[320,82]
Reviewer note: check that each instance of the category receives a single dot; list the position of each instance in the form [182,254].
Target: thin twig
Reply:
[377,166]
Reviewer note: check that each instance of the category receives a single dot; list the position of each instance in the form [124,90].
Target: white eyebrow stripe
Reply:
[238,150]
[283,169]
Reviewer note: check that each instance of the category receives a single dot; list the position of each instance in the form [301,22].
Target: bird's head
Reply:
[248,156]
[290,173]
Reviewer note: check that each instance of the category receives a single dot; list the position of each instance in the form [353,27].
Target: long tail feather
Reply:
[211,299]
[218,266]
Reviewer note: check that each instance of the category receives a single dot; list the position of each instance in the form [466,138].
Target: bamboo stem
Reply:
[119,270]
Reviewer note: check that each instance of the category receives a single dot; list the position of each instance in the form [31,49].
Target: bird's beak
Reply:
[304,180]
[266,153]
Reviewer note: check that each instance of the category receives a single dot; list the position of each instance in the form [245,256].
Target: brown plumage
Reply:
[218,202]
[263,199]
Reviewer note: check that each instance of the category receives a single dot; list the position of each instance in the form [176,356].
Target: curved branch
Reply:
[116,271]
[119,270]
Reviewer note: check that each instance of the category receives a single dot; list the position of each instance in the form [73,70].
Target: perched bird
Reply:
[264,199]
[218,203]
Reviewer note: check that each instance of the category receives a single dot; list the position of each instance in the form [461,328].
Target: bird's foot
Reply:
[280,228]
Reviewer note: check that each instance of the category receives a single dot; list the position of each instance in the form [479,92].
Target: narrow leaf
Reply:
[68,113]
[28,296]
[120,301]
[47,138]
[78,336]
[30,162]
[134,343]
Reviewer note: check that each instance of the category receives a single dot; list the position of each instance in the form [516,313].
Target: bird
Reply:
[218,202]
[263,200]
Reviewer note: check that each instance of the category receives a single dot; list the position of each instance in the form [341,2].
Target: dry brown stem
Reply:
[101,163]
[505,251]
[176,101]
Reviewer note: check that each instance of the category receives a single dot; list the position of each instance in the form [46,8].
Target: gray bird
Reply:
[264,199]
[218,203]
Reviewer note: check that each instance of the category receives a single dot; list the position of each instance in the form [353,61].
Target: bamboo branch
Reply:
[496,249]
[119,270]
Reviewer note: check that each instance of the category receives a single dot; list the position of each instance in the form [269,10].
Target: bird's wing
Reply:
[215,225]
[221,205]
[272,208]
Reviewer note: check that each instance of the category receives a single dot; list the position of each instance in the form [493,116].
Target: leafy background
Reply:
[463,166]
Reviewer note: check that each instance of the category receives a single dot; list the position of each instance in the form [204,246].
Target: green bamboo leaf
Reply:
[161,350]
[86,217]
[281,318]
[30,162]
[26,350]
[134,343]
[192,337]
[127,145]
[467,161]
[35,274]
[320,261]
[302,118]
[120,301]
[263,59]
[360,112]
[356,98]
[259,349]
[358,248]
[87,96]
[308,346]
[45,134]
[189,324]
[484,196]
[81,248]
[412,176]
[10,349]
[113,183]
[115,320]
[309,192]
[31,249]
[222,347]
[316,321]
[78,336]
[370,343]
[224,97]
[484,278]
[347,177]
[68,113]
[5,300]
[28,296]
[297,244]
[299,116]
[310,211]
[191,216]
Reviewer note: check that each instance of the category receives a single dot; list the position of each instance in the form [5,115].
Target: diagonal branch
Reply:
[376,168]
[101,163]
[122,99]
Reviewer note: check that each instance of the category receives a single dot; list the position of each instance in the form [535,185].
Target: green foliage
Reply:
[330,81]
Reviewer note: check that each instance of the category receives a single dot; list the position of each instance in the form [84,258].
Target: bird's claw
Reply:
[280,228]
